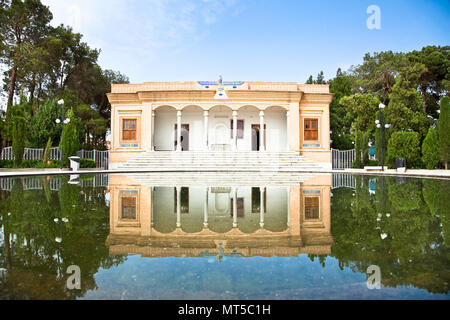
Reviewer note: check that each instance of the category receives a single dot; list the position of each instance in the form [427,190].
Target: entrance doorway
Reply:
[184,137]
[256,136]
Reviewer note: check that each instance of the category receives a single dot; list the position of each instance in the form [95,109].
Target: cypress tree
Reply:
[430,149]
[444,131]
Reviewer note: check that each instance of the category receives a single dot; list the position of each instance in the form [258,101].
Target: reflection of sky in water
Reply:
[239,278]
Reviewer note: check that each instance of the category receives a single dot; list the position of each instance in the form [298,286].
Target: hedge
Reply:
[404,144]
[28,164]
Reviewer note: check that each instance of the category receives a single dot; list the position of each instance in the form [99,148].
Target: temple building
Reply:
[220,116]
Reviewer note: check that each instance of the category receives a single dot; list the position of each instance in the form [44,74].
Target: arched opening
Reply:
[192,129]
[275,118]
[219,128]
[164,132]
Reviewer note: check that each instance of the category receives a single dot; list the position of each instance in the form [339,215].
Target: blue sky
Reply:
[250,40]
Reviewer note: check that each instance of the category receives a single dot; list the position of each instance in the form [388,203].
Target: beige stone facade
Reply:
[281,112]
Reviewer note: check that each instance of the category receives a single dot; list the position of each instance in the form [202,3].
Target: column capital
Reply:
[179,113]
[235,113]
[261,113]
[205,113]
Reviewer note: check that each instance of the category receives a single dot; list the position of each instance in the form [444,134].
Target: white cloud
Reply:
[133,29]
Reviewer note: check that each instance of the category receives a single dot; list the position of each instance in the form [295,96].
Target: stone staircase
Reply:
[221,179]
[221,161]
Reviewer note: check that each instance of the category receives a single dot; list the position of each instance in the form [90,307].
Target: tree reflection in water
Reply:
[413,214]
[35,262]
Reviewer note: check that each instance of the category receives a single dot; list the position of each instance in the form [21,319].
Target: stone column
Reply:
[205,210]
[262,208]
[261,131]
[152,145]
[235,130]
[205,134]
[287,130]
[235,224]
[179,131]
[178,207]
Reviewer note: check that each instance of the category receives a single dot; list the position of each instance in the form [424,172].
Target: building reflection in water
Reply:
[161,221]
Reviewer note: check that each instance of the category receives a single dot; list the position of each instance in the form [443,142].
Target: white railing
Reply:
[31,154]
[343,180]
[101,158]
[343,159]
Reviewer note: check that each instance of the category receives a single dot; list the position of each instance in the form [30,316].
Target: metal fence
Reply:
[343,180]
[343,159]
[31,154]
[101,158]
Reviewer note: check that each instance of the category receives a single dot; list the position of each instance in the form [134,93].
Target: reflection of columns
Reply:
[152,210]
[287,130]
[205,210]
[288,207]
[235,224]
[261,131]
[261,207]
[179,131]
[205,134]
[235,130]
[178,207]
[153,132]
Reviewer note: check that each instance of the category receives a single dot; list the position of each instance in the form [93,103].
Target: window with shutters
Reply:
[240,129]
[129,130]
[311,129]
[129,208]
[311,208]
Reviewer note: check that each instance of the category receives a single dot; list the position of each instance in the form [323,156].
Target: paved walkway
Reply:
[445,174]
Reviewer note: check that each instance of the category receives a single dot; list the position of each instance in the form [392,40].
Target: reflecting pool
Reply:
[224,236]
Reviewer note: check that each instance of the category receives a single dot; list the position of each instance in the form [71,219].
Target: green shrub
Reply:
[54,165]
[372,163]
[430,149]
[87,163]
[47,151]
[404,144]
[26,164]
[29,164]
[6,164]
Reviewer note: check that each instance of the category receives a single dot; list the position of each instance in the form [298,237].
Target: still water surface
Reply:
[156,237]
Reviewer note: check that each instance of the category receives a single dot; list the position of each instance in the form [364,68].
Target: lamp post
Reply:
[64,121]
[381,125]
